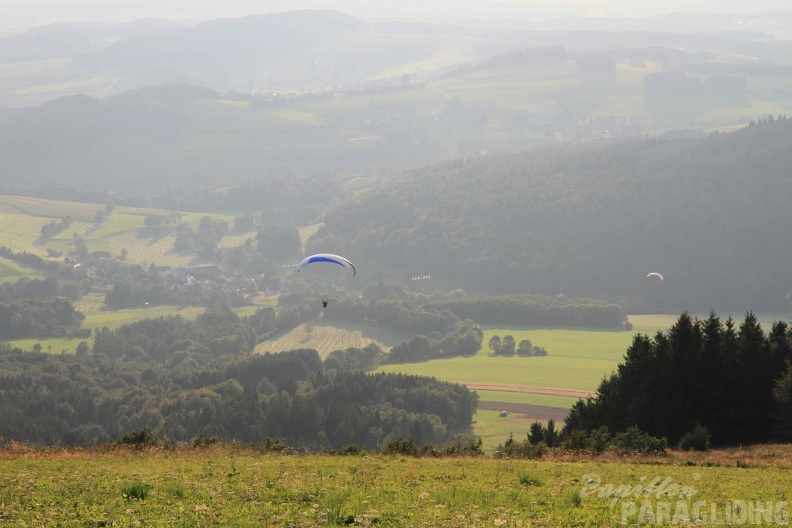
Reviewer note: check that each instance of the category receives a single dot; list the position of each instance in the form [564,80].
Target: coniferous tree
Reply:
[702,373]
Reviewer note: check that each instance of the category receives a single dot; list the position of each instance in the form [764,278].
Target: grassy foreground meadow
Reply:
[229,485]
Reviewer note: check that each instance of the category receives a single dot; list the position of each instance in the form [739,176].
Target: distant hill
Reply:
[151,103]
[233,53]
[712,215]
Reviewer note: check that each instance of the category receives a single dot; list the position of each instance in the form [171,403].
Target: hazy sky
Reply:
[20,14]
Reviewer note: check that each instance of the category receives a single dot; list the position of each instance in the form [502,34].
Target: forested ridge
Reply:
[712,215]
[205,385]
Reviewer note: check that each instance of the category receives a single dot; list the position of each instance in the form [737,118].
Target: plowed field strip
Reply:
[537,412]
[531,389]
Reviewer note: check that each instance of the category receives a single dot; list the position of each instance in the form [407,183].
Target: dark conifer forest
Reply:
[733,379]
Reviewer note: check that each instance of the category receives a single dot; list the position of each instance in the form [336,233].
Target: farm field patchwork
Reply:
[21,220]
[237,486]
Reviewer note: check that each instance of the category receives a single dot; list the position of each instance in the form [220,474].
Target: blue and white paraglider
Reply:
[327,257]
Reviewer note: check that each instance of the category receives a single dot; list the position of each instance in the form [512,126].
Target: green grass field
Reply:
[578,358]
[52,208]
[11,271]
[237,486]
[96,318]
[21,220]
[546,400]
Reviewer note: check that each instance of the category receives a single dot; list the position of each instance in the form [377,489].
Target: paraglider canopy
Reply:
[654,274]
[327,257]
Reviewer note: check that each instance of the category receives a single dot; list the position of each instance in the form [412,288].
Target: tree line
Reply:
[535,310]
[184,380]
[708,377]
[51,317]
[509,347]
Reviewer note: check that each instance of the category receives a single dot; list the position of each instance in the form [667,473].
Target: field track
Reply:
[531,389]
[536,412]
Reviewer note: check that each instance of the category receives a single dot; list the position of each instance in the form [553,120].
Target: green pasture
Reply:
[526,398]
[52,208]
[98,317]
[578,358]
[19,231]
[112,319]
[494,429]
[52,345]
[144,251]
[236,239]
[11,271]
[236,486]
[551,371]
[117,223]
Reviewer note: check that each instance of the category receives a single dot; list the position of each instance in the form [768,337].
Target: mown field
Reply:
[238,486]
[326,338]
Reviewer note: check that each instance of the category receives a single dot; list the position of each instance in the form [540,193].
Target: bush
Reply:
[598,440]
[633,440]
[524,449]
[467,446]
[139,439]
[275,445]
[204,441]
[576,441]
[401,446]
[595,441]
[351,449]
[697,439]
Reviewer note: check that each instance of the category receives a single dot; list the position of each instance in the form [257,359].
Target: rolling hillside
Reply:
[710,214]
[233,100]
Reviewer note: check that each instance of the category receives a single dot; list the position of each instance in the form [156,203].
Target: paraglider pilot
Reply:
[324,303]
